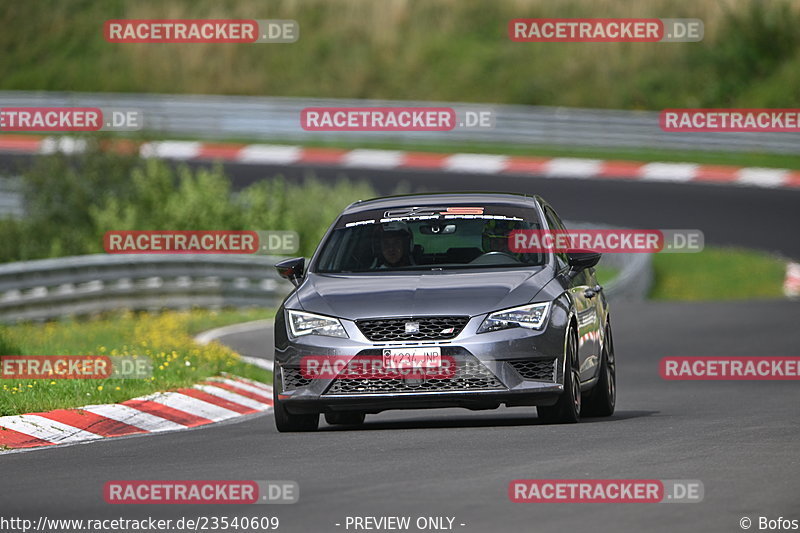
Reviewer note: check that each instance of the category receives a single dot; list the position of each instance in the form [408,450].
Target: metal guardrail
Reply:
[635,271]
[635,276]
[91,284]
[86,285]
[278,119]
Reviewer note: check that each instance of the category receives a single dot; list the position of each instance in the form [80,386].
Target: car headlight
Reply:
[302,323]
[530,316]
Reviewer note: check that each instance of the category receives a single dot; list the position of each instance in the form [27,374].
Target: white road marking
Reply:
[762,177]
[243,386]
[267,388]
[190,405]
[477,163]
[65,145]
[171,149]
[213,334]
[269,153]
[573,167]
[233,397]
[373,158]
[675,172]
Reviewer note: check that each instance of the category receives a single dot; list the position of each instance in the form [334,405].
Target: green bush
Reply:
[307,209]
[59,193]
[7,347]
[72,202]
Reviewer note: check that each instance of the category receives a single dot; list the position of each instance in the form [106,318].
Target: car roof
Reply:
[443,199]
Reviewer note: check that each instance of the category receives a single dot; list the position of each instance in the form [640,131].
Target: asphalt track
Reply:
[739,438]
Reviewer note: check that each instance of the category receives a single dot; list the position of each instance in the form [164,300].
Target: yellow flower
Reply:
[99,387]
[52,383]
[117,388]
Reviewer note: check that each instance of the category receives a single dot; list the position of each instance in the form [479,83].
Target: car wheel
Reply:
[568,408]
[603,397]
[345,419]
[286,421]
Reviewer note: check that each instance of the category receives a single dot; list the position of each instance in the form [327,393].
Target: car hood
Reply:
[354,296]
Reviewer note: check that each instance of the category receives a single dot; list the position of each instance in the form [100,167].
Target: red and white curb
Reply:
[559,167]
[213,400]
[791,284]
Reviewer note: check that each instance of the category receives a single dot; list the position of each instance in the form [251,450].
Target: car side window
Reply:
[554,223]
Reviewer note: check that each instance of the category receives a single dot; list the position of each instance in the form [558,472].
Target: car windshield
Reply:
[427,238]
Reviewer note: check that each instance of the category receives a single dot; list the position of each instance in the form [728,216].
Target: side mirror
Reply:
[582,259]
[292,269]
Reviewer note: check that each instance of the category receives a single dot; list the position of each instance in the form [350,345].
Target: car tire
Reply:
[602,399]
[351,418]
[567,410]
[285,421]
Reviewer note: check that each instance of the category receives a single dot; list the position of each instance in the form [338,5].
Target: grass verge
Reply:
[717,274]
[166,339]
[605,274]
[441,50]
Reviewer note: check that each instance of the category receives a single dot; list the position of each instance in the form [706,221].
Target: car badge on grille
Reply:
[412,327]
[447,331]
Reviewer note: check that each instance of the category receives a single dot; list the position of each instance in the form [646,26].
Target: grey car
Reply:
[424,293]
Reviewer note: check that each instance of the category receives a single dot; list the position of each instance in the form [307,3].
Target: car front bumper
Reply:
[514,367]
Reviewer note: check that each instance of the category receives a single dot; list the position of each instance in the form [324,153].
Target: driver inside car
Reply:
[494,237]
[395,247]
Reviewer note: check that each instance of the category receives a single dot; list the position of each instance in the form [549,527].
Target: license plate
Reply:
[412,357]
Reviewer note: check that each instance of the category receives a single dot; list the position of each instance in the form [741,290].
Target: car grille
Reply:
[430,328]
[541,370]
[293,379]
[470,374]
